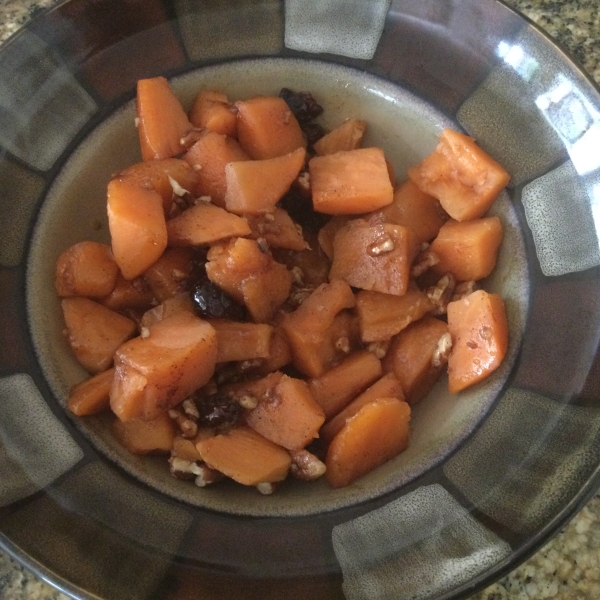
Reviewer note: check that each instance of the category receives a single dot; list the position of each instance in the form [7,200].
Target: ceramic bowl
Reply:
[490,473]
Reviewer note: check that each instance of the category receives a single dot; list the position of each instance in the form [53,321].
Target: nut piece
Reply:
[266,488]
[442,351]
[425,260]
[187,425]
[382,246]
[379,349]
[441,293]
[303,182]
[248,402]
[206,476]
[184,469]
[343,344]
[306,466]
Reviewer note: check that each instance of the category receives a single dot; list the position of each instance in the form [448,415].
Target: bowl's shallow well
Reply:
[489,473]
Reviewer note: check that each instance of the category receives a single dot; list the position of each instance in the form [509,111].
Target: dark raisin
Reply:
[302,104]
[210,301]
[299,207]
[218,410]
[313,132]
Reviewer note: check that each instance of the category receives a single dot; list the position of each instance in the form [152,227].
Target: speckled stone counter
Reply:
[568,567]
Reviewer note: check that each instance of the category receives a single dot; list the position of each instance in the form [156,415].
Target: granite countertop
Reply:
[568,567]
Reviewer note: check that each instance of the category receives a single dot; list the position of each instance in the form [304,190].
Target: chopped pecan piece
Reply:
[306,466]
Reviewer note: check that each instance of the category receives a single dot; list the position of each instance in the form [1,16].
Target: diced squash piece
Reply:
[249,276]
[463,177]
[159,175]
[137,225]
[385,387]
[242,341]
[211,110]
[255,186]
[170,274]
[479,330]
[414,209]
[141,436]
[280,353]
[468,249]
[278,230]
[373,257]
[86,269]
[170,306]
[162,122]
[157,372]
[350,182]
[245,456]
[91,396]
[208,156]
[205,223]
[184,448]
[134,293]
[378,432]
[347,136]
[327,233]
[337,387]
[310,328]
[267,128]
[381,316]
[288,415]
[94,332]
[410,357]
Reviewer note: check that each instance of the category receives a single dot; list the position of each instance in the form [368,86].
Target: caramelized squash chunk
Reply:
[156,372]
[462,176]
[352,182]
[137,225]
[211,110]
[479,329]
[347,136]
[146,436]
[267,128]
[287,414]
[242,341]
[170,274]
[86,269]
[255,186]
[468,249]
[245,456]
[94,332]
[378,432]
[278,230]
[373,257]
[129,294]
[208,157]
[162,122]
[91,396]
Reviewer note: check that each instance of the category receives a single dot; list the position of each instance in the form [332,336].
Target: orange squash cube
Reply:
[242,341]
[211,110]
[170,274]
[468,249]
[91,396]
[352,182]
[267,128]
[134,294]
[278,230]
[462,176]
[347,136]
[146,436]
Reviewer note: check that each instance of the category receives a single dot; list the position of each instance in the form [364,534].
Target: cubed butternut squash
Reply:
[352,182]
[160,175]
[373,257]
[137,225]
[338,386]
[146,436]
[158,371]
[208,156]
[245,456]
[468,249]
[86,269]
[327,233]
[347,136]
[479,329]
[162,122]
[288,415]
[255,186]
[134,294]
[170,306]
[91,396]
[387,386]
[94,332]
[171,273]
[411,357]
[242,341]
[267,128]
[413,208]
[381,316]
[462,176]
[278,230]
[205,223]
[211,110]
[378,432]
